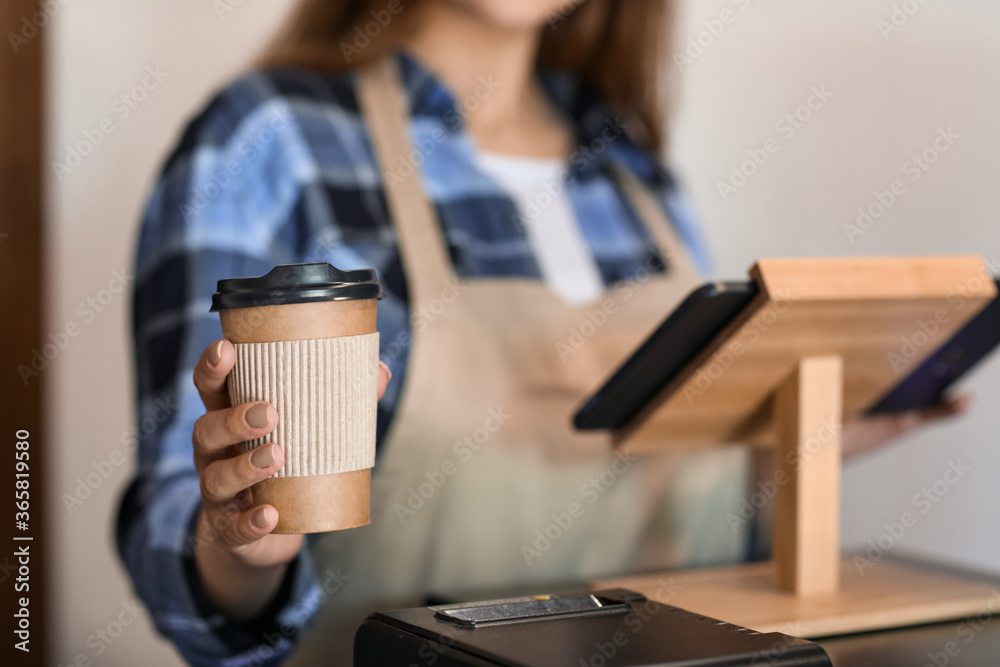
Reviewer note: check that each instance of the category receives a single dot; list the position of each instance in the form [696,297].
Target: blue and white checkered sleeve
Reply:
[217,211]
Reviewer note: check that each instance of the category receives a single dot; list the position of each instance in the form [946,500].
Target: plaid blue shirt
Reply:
[279,169]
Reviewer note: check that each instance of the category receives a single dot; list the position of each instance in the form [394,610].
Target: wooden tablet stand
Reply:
[822,342]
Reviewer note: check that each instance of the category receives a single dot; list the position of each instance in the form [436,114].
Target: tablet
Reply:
[706,312]
[693,324]
[929,382]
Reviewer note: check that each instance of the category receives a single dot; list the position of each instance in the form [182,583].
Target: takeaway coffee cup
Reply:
[306,343]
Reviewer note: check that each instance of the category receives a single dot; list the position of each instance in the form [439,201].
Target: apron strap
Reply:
[422,249]
[656,221]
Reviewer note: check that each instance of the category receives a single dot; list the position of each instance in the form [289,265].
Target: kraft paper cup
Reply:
[306,343]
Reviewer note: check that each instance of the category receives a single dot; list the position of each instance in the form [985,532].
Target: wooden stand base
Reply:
[820,344]
[886,594]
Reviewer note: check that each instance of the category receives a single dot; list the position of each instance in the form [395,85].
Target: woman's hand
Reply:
[870,433]
[240,562]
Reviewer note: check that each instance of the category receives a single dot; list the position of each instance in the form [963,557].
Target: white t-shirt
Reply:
[564,259]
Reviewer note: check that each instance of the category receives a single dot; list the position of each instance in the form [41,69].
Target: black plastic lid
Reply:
[297,283]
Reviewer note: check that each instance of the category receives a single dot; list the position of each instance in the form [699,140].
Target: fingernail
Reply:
[215,353]
[388,371]
[259,518]
[263,456]
[258,415]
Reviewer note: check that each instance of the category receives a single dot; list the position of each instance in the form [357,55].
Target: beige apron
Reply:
[482,483]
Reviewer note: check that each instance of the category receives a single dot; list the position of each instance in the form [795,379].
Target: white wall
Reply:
[889,98]
[99,50]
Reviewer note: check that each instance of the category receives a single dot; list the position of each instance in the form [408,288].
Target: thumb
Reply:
[384,375]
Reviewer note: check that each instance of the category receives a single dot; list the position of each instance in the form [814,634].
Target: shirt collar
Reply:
[602,135]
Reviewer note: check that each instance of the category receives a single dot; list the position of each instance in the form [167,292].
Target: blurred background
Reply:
[879,98]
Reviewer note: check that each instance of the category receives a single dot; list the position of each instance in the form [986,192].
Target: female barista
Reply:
[496,162]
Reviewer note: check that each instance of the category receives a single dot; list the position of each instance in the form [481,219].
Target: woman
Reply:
[495,161]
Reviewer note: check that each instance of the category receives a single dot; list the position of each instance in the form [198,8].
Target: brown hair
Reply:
[617,46]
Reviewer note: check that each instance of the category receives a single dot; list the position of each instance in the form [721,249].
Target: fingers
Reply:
[222,480]
[217,360]
[253,524]
[874,431]
[227,478]
[217,430]
[210,374]
[904,422]
[239,528]
[384,375]
[946,408]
